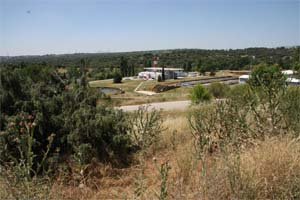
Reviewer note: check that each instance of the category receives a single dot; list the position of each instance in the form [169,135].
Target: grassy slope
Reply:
[268,170]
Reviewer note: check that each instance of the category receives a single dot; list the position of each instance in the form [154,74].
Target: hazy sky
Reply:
[67,26]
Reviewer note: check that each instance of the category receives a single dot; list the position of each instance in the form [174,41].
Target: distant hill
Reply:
[186,58]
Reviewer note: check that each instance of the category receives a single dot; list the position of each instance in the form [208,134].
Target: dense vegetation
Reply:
[45,117]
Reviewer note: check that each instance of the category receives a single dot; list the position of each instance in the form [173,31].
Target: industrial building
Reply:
[155,72]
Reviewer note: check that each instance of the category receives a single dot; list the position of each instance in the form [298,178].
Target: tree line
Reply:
[104,65]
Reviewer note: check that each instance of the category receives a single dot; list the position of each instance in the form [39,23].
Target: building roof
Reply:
[293,80]
[166,69]
[287,72]
[244,76]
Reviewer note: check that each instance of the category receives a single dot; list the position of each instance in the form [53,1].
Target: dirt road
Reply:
[170,105]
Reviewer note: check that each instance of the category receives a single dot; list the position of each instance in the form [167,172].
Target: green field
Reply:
[130,97]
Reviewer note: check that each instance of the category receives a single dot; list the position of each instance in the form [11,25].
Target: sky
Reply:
[37,27]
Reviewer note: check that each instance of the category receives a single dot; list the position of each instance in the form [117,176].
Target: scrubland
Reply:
[269,169]
[246,146]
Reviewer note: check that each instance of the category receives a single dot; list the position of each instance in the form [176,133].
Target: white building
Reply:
[293,81]
[289,73]
[155,72]
[243,79]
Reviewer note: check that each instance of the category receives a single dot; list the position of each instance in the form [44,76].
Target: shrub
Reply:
[40,103]
[145,126]
[117,77]
[23,158]
[220,125]
[270,170]
[249,112]
[269,77]
[290,108]
[268,85]
[200,94]
[98,131]
[218,90]
[212,73]
[159,78]
[242,95]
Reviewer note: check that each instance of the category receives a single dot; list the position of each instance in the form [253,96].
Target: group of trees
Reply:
[104,64]
[263,76]
[46,116]
[126,68]
[265,106]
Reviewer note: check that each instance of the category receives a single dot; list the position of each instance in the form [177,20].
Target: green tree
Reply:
[117,77]
[200,94]
[124,66]
[163,78]
[265,76]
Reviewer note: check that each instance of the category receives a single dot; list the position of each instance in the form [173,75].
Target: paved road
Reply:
[169,105]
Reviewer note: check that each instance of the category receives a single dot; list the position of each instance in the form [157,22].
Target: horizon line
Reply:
[140,51]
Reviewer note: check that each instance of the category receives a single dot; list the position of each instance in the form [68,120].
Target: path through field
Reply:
[169,105]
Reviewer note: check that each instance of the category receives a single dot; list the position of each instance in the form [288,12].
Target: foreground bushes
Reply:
[265,107]
[47,118]
[270,170]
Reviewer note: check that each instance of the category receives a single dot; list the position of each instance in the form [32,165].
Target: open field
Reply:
[130,97]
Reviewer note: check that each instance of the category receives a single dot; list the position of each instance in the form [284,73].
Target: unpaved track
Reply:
[149,93]
[169,105]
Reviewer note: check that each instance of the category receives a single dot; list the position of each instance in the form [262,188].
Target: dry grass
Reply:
[269,170]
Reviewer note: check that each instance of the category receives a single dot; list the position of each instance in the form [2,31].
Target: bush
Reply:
[249,112]
[268,85]
[146,125]
[40,104]
[270,170]
[159,78]
[218,90]
[95,130]
[219,126]
[267,77]
[117,77]
[212,73]
[200,94]
[290,107]
[241,95]
[64,117]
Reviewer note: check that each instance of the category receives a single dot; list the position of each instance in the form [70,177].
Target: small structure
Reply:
[288,73]
[193,74]
[293,81]
[243,79]
[155,72]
